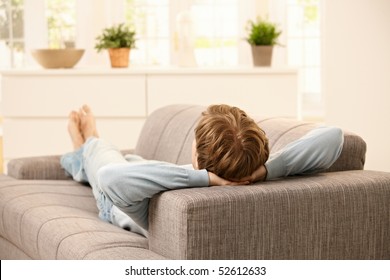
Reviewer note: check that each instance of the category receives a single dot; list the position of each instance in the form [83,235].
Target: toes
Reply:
[81,112]
[86,109]
[74,116]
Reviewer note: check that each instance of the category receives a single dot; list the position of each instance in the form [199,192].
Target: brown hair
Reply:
[229,143]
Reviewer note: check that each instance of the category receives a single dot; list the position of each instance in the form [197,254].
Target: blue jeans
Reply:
[123,186]
[130,182]
[83,165]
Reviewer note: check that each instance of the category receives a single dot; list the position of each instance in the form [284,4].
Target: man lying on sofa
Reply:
[229,149]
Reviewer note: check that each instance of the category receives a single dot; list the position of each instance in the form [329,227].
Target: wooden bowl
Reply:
[57,58]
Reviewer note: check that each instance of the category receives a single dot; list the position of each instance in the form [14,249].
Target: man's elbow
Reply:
[336,137]
[334,144]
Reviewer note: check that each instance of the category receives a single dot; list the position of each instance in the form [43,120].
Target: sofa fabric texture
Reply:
[342,214]
[326,216]
[58,220]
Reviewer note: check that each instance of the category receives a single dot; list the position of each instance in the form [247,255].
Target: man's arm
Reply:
[130,186]
[314,152]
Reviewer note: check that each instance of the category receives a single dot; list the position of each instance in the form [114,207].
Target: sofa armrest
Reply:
[340,215]
[40,168]
[37,168]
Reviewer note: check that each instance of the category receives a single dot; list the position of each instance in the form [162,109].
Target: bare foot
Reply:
[74,130]
[87,123]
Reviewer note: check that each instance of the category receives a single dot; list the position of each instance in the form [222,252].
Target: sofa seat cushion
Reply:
[58,220]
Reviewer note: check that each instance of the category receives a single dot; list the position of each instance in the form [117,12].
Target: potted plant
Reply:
[118,39]
[262,36]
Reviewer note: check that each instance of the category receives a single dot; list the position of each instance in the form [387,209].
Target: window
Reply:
[304,49]
[216,32]
[61,22]
[151,22]
[11,33]
[214,27]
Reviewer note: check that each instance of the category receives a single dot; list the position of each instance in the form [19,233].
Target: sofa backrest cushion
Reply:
[169,131]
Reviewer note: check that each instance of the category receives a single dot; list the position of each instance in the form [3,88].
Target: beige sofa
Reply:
[340,214]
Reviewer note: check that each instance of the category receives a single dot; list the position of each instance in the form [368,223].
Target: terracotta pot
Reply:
[119,57]
[262,55]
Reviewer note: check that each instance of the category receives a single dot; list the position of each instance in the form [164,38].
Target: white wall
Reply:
[357,73]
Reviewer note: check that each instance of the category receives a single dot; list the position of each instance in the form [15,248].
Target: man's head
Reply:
[229,143]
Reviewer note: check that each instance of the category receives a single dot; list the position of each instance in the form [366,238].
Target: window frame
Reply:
[11,40]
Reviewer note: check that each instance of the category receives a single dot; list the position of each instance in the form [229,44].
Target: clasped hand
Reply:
[258,175]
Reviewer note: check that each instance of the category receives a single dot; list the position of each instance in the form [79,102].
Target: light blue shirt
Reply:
[312,153]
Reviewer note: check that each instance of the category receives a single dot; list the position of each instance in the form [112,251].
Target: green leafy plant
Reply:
[118,36]
[262,33]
